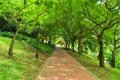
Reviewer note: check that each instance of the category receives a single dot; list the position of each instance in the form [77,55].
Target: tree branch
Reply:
[37,17]
[25,7]
[118,47]
[118,39]
[110,24]
[109,8]
[98,11]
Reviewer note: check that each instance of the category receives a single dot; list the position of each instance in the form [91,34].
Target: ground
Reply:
[62,66]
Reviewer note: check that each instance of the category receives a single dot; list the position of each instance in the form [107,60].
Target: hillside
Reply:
[23,65]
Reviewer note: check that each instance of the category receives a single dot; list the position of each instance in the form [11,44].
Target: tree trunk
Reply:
[10,52]
[101,53]
[73,46]
[80,46]
[114,50]
[66,46]
[113,59]
[42,41]
[36,55]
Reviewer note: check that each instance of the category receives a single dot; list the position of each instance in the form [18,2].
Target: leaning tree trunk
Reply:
[101,53]
[80,46]
[10,52]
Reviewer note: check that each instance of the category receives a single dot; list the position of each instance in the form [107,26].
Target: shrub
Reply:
[7,34]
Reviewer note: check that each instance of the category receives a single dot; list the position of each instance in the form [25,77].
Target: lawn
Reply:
[23,65]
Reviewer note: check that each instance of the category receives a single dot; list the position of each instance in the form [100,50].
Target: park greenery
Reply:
[89,27]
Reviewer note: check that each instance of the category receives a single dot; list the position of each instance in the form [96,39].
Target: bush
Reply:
[7,34]
[46,47]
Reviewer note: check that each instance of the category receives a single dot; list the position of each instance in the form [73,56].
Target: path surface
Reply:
[63,67]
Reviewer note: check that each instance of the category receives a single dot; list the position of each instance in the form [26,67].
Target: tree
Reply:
[17,14]
[65,20]
[104,19]
[116,45]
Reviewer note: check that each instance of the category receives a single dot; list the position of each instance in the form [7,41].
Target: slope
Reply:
[23,65]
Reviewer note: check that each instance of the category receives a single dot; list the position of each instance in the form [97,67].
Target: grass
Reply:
[43,47]
[92,65]
[23,65]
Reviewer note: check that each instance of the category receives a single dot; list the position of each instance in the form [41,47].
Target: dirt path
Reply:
[63,67]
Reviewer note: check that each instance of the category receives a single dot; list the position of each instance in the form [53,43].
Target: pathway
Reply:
[63,67]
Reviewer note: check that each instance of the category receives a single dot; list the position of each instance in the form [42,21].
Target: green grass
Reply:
[23,65]
[92,65]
